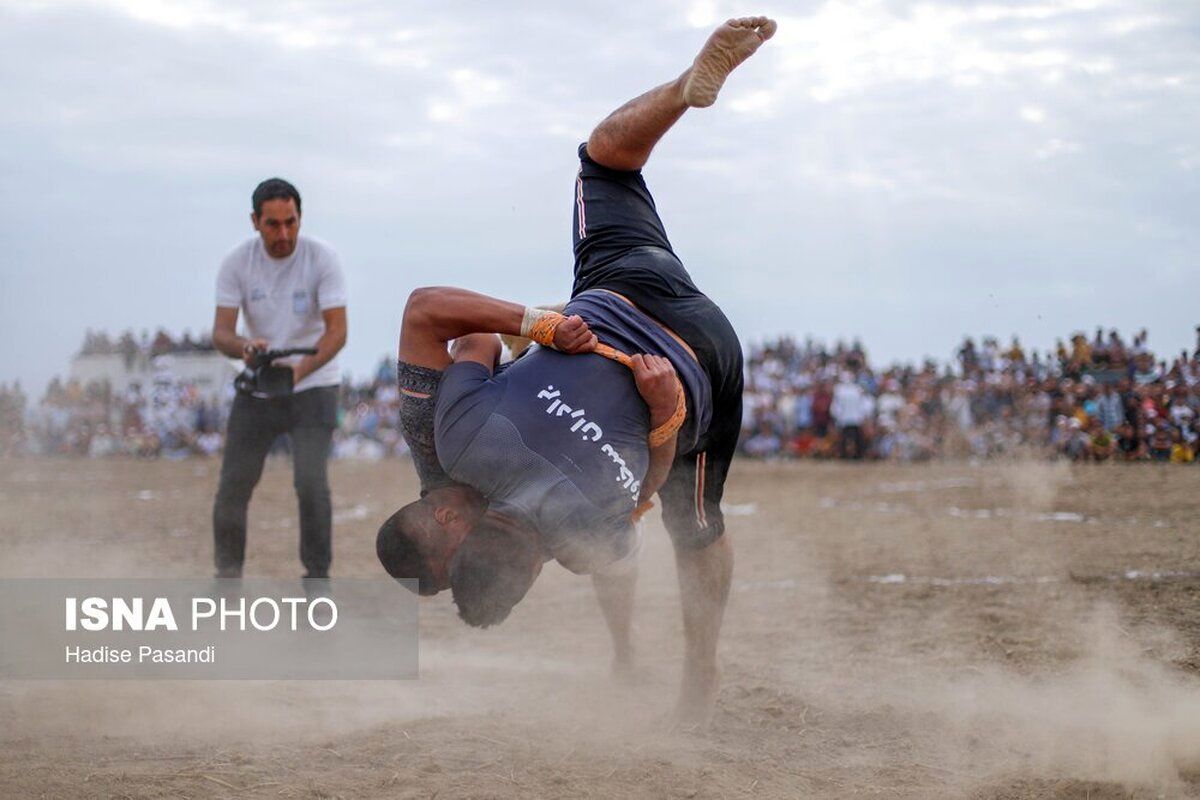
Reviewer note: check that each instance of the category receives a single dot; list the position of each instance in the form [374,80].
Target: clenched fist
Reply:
[253,347]
[658,385]
[574,336]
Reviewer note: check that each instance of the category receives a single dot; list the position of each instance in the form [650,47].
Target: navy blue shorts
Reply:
[621,245]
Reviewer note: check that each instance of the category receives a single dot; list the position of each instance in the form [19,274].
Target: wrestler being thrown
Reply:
[634,390]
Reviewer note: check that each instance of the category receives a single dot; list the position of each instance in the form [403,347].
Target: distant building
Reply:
[209,370]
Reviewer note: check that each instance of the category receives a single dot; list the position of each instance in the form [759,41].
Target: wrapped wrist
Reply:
[540,325]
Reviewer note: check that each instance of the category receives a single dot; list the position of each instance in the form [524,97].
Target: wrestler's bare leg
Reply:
[623,141]
[625,138]
[704,579]
[615,593]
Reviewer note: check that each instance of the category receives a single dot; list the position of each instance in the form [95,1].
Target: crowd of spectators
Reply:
[12,417]
[171,418]
[1096,399]
[157,416]
[369,417]
[165,417]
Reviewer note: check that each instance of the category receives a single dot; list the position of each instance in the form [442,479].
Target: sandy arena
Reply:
[996,631]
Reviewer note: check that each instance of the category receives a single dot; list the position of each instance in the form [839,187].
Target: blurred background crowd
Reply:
[1094,398]
[161,414]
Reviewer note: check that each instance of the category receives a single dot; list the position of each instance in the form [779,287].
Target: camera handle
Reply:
[263,379]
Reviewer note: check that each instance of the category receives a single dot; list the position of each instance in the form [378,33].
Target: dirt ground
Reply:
[1008,630]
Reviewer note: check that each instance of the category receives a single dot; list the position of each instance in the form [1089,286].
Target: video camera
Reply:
[263,379]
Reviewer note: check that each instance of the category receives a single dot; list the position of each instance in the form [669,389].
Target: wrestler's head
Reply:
[493,569]
[420,539]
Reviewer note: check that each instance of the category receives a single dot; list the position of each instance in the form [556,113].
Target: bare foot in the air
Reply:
[729,45]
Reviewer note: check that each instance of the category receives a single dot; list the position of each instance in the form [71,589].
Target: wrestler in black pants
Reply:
[309,417]
[621,245]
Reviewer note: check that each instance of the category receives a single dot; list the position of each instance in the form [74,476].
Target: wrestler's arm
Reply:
[480,348]
[661,459]
[437,315]
[423,357]
[659,387]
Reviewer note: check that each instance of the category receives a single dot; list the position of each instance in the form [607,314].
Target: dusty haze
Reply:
[950,630]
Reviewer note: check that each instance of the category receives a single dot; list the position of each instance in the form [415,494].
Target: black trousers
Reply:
[254,423]
[852,444]
[621,244]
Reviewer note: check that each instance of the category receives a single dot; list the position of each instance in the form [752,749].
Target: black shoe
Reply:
[228,573]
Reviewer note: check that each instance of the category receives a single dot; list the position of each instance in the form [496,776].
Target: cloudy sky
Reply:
[907,172]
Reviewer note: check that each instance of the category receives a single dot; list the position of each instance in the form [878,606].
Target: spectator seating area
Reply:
[1095,399]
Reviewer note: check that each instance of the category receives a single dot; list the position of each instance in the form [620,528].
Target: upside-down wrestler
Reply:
[634,390]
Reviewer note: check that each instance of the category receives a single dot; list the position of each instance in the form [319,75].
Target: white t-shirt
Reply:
[282,299]
[889,406]
[851,404]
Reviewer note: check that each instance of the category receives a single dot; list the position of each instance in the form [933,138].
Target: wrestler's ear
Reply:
[445,515]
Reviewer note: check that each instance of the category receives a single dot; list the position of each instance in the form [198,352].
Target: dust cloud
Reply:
[1113,714]
[833,684]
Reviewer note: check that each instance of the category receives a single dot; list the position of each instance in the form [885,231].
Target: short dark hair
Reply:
[490,573]
[398,551]
[273,189]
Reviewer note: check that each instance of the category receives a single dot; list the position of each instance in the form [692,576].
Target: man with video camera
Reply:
[291,290]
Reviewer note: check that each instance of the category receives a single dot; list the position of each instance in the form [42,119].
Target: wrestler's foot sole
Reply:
[729,45]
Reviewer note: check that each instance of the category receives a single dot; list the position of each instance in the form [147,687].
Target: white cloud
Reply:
[758,102]
[469,91]
[848,47]
[1056,147]
[304,24]
[1033,114]
[872,132]
[176,14]
[1123,26]
[702,14]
